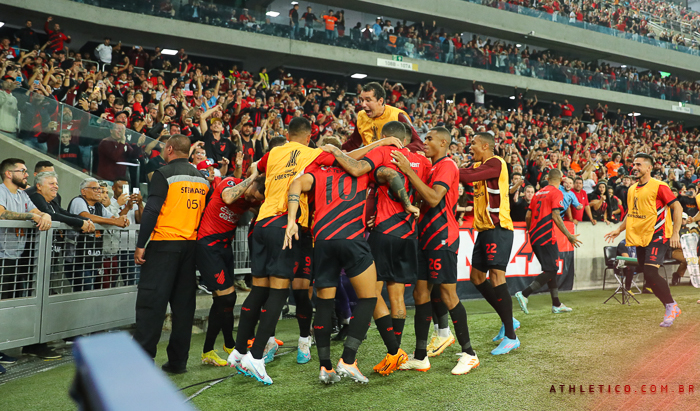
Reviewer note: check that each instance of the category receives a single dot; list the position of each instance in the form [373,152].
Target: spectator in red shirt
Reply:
[56,37]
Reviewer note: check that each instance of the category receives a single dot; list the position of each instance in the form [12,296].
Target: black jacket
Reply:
[56,212]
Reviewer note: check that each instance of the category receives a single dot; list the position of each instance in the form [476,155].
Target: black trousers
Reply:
[167,276]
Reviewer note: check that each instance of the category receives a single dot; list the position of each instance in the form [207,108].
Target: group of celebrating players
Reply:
[324,210]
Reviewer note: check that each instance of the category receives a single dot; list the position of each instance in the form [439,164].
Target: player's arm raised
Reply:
[300,185]
[362,151]
[392,179]
[353,167]
[556,217]
[433,195]
[231,194]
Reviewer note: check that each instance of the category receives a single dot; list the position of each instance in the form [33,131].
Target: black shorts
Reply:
[654,253]
[302,267]
[267,258]
[215,264]
[547,255]
[396,258]
[492,249]
[354,256]
[437,266]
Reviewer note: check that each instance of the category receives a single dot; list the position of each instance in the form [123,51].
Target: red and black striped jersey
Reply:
[219,218]
[391,217]
[541,224]
[438,228]
[339,204]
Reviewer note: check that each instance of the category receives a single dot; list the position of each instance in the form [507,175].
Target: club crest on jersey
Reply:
[231,183]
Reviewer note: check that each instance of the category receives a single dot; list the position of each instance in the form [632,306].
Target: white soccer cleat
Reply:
[416,365]
[465,364]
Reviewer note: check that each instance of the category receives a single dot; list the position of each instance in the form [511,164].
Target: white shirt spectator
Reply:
[12,241]
[104,53]
[479,96]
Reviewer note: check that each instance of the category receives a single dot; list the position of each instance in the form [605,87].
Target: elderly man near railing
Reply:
[45,200]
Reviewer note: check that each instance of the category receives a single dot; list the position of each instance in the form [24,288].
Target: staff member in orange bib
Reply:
[648,223]
[170,219]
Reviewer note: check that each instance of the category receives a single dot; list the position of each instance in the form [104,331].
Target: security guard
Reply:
[175,204]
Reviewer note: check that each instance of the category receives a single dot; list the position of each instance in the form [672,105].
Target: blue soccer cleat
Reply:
[502,333]
[506,346]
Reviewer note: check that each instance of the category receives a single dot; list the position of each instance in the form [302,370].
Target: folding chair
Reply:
[618,271]
[610,254]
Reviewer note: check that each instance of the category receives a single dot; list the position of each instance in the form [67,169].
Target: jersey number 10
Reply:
[341,188]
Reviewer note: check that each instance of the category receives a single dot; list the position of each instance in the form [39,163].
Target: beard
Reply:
[19,182]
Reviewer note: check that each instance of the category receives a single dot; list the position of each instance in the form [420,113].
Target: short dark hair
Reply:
[488,139]
[645,156]
[554,174]
[394,129]
[119,101]
[276,142]
[299,126]
[8,163]
[578,179]
[42,164]
[376,88]
[444,133]
[179,143]
[517,174]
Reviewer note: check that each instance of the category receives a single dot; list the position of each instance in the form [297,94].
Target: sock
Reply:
[386,330]
[268,320]
[554,292]
[422,328]
[657,284]
[459,319]
[250,313]
[216,318]
[227,324]
[504,308]
[322,330]
[359,324]
[305,311]
[440,314]
[538,282]
[436,328]
[486,290]
[398,324]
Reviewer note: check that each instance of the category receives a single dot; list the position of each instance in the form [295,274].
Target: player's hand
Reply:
[370,221]
[675,240]
[329,149]
[291,232]
[413,210]
[611,236]
[391,141]
[401,161]
[573,240]
[139,256]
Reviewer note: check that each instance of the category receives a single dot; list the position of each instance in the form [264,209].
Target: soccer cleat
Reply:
[213,358]
[672,311]
[303,352]
[506,346]
[328,377]
[439,344]
[351,371]
[502,332]
[270,351]
[465,364]
[416,365]
[234,359]
[252,340]
[254,368]
[228,350]
[561,309]
[393,362]
[241,286]
[522,300]
[379,366]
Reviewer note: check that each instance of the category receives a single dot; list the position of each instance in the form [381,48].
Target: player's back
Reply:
[391,218]
[339,202]
[543,203]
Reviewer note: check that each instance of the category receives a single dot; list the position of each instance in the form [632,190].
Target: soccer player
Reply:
[646,199]
[374,115]
[393,241]
[339,226]
[544,212]
[491,254]
[214,257]
[272,267]
[438,236]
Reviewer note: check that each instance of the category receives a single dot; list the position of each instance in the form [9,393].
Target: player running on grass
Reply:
[393,241]
[543,214]
[649,228]
[495,240]
[339,226]
[438,236]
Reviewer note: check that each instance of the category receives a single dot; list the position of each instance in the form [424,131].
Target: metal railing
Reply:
[61,283]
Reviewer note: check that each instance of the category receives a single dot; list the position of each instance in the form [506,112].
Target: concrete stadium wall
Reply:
[91,23]
[465,16]
[68,178]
